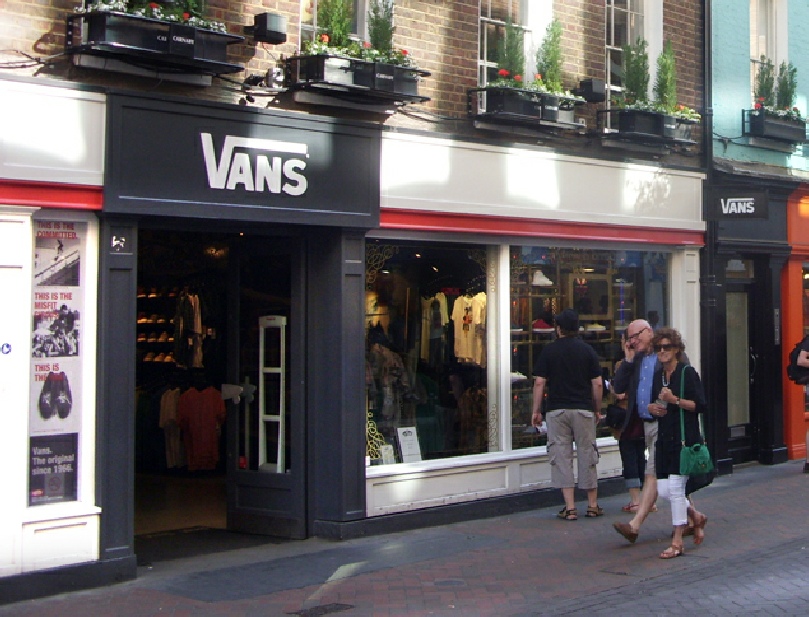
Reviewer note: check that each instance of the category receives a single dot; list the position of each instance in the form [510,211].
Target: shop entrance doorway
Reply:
[200,300]
[742,375]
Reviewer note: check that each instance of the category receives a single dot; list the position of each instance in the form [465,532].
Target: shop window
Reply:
[426,377]
[609,289]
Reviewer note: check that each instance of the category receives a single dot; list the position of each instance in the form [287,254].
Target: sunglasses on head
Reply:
[664,347]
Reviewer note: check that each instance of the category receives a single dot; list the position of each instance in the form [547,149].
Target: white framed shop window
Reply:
[62,375]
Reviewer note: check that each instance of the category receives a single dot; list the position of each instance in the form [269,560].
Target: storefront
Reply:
[50,190]
[238,237]
[795,293]
[479,247]
[749,252]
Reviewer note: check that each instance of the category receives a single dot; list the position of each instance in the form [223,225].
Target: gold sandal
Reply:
[672,552]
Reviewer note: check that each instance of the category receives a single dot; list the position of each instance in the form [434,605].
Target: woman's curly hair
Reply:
[673,336]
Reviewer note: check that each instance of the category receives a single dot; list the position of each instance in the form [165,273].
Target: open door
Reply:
[265,473]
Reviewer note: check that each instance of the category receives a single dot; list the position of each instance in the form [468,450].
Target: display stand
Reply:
[271,390]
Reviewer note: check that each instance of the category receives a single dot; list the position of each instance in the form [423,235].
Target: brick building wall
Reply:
[440,35]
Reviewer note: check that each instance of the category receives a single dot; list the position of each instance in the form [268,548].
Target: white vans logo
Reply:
[259,173]
[738,205]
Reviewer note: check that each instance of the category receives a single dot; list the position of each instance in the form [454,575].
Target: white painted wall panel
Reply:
[442,175]
[51,134]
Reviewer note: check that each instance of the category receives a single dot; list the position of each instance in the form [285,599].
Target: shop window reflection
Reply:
[609,289]
[426,378]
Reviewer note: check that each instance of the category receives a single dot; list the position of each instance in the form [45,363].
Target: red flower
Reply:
[366,45]
[324,38]
[404,52]
[503,72]
[758,105]
[186,16]
[538,76]
[154,5]
[518,78]
[761,99]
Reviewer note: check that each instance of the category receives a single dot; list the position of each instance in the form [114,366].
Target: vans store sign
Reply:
[233,163]
[728,204]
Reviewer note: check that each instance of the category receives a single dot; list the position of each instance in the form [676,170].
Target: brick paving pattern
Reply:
[755,561]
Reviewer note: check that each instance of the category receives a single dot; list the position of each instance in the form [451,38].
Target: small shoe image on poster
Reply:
[409,444]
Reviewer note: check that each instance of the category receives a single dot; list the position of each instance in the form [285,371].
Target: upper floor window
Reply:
[309,18]
[494,15]
[762,34]
[624,24]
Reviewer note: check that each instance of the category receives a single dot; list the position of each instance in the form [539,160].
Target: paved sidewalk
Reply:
[755,561]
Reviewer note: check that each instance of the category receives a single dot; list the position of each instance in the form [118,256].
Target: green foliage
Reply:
[666,82]
[510,52]
[787,86]
[636,71]
[380,25]
[764,90]
[549,57]
[334,19]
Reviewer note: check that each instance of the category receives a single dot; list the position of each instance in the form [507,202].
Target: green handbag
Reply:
[694,460]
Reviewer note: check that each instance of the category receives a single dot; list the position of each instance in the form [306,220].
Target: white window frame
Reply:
[651,11]
[776,38]
[521,12]
[308,31]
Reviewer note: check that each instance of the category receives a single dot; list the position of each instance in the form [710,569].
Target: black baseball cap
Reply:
[568,320]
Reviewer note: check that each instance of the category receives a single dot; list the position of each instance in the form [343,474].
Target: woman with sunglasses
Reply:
[670,379]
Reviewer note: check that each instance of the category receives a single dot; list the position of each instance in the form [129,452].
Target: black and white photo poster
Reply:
[58,302]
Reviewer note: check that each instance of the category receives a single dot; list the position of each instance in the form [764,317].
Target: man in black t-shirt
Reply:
[570,371]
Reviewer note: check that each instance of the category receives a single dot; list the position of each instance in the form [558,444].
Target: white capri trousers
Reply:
[673,489]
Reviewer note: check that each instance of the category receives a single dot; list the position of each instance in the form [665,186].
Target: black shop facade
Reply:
[231,286]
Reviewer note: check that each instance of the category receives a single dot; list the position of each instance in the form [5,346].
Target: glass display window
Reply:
[609,289]
[426,377]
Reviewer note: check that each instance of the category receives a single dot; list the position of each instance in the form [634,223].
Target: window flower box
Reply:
[319,69]
[154,42]
[520,105]
[782,128]
[361,79]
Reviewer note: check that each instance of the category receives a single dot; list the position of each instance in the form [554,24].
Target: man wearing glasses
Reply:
[634,378]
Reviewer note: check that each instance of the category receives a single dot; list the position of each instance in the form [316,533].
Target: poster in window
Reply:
[52,469]
[58,305]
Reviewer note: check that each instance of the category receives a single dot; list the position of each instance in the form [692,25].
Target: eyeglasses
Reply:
[632,337]
[664,347]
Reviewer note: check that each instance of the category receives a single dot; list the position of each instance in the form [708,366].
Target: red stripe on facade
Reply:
[70,196]
[472,223]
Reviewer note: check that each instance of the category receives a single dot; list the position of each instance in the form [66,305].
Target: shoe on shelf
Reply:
[541,324]
[540,280]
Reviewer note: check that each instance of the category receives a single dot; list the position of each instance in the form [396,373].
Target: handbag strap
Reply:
[682,411]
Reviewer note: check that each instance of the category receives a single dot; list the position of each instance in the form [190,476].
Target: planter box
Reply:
[319,69]
[513,101]
[773,127]
[150,43]
[162,42]
[365,80]
[386,77]
[651,123]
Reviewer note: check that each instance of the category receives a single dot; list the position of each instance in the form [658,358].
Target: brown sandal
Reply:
[672,552]
[699,530]
[568,515]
